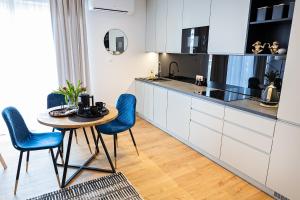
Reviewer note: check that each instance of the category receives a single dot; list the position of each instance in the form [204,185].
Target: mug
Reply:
[100,105]
[94,110]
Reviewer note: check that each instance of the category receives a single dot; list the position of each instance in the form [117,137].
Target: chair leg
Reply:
[76,136]
[117,140]
[53,129]
[87,140]
[2,162]
[55,166]
[134,142]
[115,149]
[18,172]
[27,161]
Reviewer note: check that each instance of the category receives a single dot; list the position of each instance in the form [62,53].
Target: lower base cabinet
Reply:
[245,159]
[284,170]
[178,114]
[160,107]
[205,139]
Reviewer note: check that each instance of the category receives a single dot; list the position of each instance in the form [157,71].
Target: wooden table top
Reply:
[66,123]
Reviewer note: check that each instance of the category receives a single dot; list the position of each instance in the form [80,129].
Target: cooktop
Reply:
[224,95]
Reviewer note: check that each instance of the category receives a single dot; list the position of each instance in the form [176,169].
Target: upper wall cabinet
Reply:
[151,26]
[228,26]
[161,25]
[196,13]
[289,107]
[174,26]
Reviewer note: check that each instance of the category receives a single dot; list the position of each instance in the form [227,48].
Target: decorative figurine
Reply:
[274,48]
[258,47]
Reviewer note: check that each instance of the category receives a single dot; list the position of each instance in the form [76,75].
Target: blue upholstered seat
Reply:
[126,118]
[125,121]
[22,139]
[26,141]
[54,100]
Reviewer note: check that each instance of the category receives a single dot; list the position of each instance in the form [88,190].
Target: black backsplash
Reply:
[227,71]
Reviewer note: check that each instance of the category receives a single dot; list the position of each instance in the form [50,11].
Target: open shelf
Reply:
[270,30]
[272,21]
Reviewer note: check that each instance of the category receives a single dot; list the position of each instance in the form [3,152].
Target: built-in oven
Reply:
[195,40]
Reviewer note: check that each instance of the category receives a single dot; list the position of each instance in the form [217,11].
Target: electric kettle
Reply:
[270,95]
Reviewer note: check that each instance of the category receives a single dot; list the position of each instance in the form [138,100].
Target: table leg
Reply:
[106,152]
[63,184]
[94,138]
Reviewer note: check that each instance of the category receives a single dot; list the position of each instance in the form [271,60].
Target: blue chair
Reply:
[25,141]
[126,106]
[54,100]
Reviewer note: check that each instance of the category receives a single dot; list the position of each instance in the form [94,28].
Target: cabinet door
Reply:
[228,26]
[161,25]
[148,102]
[289,107]
[284,176]
[205,139]
[139,93]
[174,26]
[250,161]
[160,106]
[196,13]
[178,114]
[151,26]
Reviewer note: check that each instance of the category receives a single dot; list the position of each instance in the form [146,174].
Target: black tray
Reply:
[88,114]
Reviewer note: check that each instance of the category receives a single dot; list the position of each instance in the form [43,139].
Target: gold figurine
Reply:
[258,47]
[274,48]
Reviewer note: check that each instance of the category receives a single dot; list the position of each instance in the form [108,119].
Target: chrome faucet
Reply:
[170,66]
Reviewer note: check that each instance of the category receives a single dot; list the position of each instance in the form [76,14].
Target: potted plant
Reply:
[271,76]
[71,93]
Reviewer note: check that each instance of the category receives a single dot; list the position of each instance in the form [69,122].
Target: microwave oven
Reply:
[194,40]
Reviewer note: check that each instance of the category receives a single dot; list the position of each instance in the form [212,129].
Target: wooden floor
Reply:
[165,169]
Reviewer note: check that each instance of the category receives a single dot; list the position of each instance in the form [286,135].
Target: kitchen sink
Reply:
[158,79]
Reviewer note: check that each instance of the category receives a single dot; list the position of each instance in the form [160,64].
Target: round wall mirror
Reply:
[115,41]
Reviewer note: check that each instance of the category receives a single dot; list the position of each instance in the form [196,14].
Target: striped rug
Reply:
[112,187]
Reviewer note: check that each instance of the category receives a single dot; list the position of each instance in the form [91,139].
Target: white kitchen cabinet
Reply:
[257,123]
[174,26]
[250,161]
[248,137]
[289,107]
[161,25]
[205,139]
[228,26]
[139,93]
[151,26]
[196,13]
[283,175]
[178,114]
[148,101]
[160,107]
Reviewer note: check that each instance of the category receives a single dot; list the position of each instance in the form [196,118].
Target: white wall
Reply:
[112,75]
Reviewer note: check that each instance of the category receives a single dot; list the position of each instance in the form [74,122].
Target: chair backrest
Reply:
[16,125]
[126,107]
[54,100]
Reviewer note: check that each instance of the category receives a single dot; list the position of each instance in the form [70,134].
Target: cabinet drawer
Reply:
[207,120]
[205,139]
[254,122]
[247,136]
[251,162]
[208,107]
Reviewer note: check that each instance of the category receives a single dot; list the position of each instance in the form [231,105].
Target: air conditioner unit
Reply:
[118,6]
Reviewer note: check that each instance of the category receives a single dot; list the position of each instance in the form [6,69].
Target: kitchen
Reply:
[231,113]
[159,99]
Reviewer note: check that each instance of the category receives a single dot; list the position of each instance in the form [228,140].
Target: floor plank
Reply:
[165,169]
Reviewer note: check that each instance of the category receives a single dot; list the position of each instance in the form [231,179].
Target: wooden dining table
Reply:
[72,123]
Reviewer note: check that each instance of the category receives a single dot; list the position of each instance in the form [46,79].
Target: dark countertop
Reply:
[194,90]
